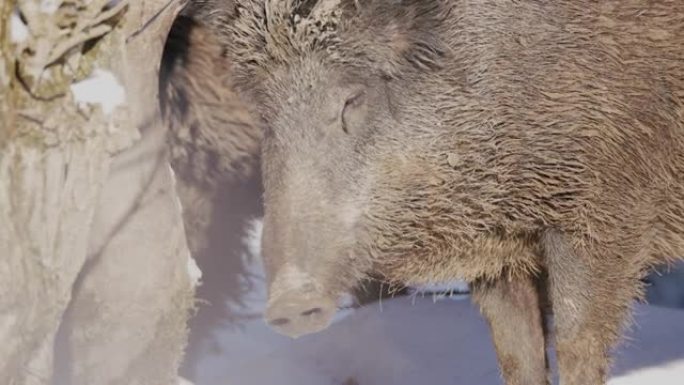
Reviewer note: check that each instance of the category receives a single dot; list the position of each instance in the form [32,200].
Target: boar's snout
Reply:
[297,312]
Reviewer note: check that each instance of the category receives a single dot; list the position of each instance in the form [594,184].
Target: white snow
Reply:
[50,6]
[427,343]
[253,239]
[448,287]
[183,381]
[18,30]
[409,341]
[670,373]
[194,271]
[101,88]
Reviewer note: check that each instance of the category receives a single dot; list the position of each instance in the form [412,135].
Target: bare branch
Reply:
[62,48]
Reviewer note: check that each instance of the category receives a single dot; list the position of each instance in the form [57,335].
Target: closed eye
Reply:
[355,100]
[350,104]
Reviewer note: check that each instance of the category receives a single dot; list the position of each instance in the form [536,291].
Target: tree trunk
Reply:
[91,236]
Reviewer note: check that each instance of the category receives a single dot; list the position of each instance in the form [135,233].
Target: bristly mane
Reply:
[379,35]
[263,33]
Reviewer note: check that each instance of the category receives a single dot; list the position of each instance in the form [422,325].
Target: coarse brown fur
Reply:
[212,133]
[495,141]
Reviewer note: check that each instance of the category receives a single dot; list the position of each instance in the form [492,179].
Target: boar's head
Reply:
[332,83]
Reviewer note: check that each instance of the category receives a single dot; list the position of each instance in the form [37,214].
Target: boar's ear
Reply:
[405,32]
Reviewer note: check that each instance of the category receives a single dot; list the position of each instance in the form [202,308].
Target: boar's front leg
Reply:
[590,288]
[512,309]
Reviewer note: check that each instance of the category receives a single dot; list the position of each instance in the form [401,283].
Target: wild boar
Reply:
[534,149]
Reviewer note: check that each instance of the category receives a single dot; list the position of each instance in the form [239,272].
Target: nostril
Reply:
[279,322]
[310,312]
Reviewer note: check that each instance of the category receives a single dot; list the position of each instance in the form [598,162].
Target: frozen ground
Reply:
[412,341]
[417,342]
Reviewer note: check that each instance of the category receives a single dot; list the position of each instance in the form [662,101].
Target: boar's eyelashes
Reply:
[354,112]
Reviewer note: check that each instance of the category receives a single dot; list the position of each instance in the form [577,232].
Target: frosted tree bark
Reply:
[90,223]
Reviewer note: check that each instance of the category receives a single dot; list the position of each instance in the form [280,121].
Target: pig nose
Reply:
[296,314]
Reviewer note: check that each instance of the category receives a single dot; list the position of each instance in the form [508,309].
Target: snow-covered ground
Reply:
[410,341]
[418,341]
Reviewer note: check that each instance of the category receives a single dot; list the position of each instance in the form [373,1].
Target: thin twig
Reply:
[74,41]
[110,13]
[30,118]
[154,18]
